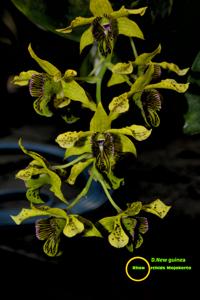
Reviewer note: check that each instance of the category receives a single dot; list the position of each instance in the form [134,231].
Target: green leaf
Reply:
[127,144]
[27,213]
[172,67]
[123,68]
[45,65]
[100,121]
[170,84]
[192,117]
[157,207]
[145,58]
[118,238]
[133,208]
[73,226]
[48,16]
[129,28]
[77,169]
[74,91]
[116,79]
[86,39]
[100,7]
[119,104]
[23,78]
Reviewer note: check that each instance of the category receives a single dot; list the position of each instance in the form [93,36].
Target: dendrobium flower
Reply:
[55,222]
[127,228]
[105,25]
[143,77]
[100,145]
[51,87]
[36,175]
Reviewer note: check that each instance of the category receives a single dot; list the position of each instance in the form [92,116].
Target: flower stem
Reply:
[70,163]
[100,77]
[81,194]
[133,47]
[118,209]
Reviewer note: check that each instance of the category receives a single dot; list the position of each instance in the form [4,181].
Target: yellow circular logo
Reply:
[133,264]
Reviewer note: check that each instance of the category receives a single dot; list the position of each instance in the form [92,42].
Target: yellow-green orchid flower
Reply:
[52,87]
[55,222]
[105,25]
[143,77]
[37,174]
[101,145]
[126,228]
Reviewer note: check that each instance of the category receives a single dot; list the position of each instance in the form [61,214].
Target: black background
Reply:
[167,167]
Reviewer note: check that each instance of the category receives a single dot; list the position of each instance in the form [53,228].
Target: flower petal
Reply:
[172,67]
[143,225]
[139,132]
[119,104]
[45,65]
[146,58]
[118,238]
[170,84]
[129,224]
[78,169]
[69,138]
[123,12]
[73,226]
[129,28]
[80,147]
[23,78]
[74,91]
[87,39]
[139,241]
[100,7]
[78,21]
[27,213]
[100,121]
[89,229]
[127,144]
[41,106]
[116,79]
[133,208]
[33,195]
[157,207]
[54,179]
[108,223]
[51,245]
[123,68]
